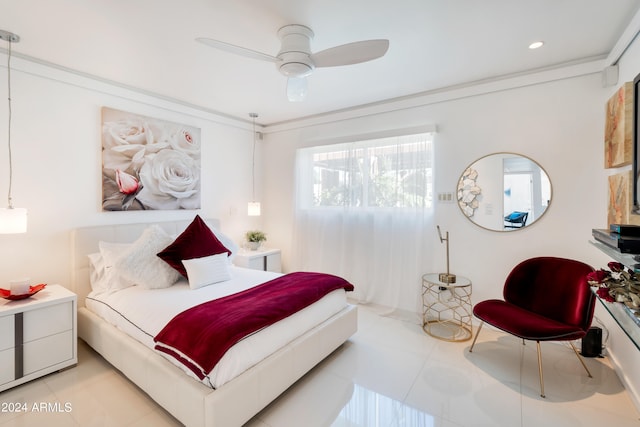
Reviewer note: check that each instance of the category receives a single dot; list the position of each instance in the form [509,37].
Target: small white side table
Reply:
[38,335]
[446,308]
[265,259]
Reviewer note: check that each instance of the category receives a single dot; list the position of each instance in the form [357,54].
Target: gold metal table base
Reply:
[446,308]
[441,329]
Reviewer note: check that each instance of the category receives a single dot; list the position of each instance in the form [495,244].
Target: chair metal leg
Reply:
[573,347]
[476,337]
[540,370]
[575,350]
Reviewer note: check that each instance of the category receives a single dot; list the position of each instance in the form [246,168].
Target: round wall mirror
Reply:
[504,192]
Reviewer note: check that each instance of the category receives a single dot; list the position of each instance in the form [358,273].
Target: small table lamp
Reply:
[446,277]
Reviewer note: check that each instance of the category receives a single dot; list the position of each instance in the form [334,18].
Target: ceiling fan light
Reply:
[296,89]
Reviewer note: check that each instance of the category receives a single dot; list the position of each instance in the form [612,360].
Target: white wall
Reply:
[57,165]
[559,124]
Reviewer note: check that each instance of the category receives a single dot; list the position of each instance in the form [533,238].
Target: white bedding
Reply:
[142,313]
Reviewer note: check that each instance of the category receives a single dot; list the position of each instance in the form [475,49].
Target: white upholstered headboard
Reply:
[85,240]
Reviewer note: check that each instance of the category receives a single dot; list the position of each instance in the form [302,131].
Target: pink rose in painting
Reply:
[170,180]
[127,184]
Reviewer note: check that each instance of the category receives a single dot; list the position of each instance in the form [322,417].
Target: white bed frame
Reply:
[191,402]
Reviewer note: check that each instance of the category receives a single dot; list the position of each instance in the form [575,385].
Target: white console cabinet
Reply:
[260,259]
[38,335]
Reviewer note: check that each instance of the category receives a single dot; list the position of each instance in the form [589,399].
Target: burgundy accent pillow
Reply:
[196,241]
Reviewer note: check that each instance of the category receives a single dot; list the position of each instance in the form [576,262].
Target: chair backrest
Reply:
[556,288]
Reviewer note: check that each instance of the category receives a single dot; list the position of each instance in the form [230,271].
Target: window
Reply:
[393,172]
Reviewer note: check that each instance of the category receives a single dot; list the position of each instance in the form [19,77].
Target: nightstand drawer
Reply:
[47,321]
[7,337]
[7,364]
[49,351]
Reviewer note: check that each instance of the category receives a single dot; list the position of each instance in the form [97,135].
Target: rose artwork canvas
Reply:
[618,147]
[148,164]
[619,198]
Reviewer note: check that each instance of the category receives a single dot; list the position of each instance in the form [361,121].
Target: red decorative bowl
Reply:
[6,294]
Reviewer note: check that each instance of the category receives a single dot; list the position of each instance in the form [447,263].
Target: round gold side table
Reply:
[446,308]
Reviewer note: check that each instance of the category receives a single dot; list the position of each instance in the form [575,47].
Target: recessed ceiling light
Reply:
[536,45]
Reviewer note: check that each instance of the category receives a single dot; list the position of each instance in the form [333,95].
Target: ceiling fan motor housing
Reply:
[295,52]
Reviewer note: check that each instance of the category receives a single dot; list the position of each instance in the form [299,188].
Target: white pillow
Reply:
[97,272]
[112,279]
[207,270]
[141,265]
[111,251]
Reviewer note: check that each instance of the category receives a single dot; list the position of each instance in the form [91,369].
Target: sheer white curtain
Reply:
[364,211]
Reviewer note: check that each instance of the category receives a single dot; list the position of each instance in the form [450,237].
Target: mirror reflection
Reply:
[504,192]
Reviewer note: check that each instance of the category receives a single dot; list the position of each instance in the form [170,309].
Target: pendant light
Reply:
[12,220]
[253,208]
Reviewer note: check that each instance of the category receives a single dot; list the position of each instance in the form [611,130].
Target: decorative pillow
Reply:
[207,270]
[196,241]
[140,265]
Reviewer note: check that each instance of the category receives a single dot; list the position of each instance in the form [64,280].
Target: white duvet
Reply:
[142,314]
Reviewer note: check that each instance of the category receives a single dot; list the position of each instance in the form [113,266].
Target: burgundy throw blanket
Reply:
[205,332]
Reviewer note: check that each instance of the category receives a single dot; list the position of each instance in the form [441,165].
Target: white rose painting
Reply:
[148,163]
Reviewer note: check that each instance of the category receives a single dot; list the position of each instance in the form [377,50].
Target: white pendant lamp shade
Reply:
[253,209]
[13,220]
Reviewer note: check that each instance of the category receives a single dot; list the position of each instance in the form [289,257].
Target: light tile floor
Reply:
[388,374]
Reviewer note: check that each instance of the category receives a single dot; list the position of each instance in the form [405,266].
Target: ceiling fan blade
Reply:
[351,53]
[296,89]
[238,50]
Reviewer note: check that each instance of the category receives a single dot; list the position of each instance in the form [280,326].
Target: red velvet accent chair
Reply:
[545,299]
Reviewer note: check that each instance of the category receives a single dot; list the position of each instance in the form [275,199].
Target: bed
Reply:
[190,401]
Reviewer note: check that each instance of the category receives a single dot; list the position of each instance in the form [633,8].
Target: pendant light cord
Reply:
[9,201]
[253,161]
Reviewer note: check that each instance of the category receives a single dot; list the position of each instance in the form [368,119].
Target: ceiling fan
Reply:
[296,61]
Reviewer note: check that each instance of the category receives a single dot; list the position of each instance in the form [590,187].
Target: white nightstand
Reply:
[262,259]
[38,335]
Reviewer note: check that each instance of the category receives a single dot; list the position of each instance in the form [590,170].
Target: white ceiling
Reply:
[149,44]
